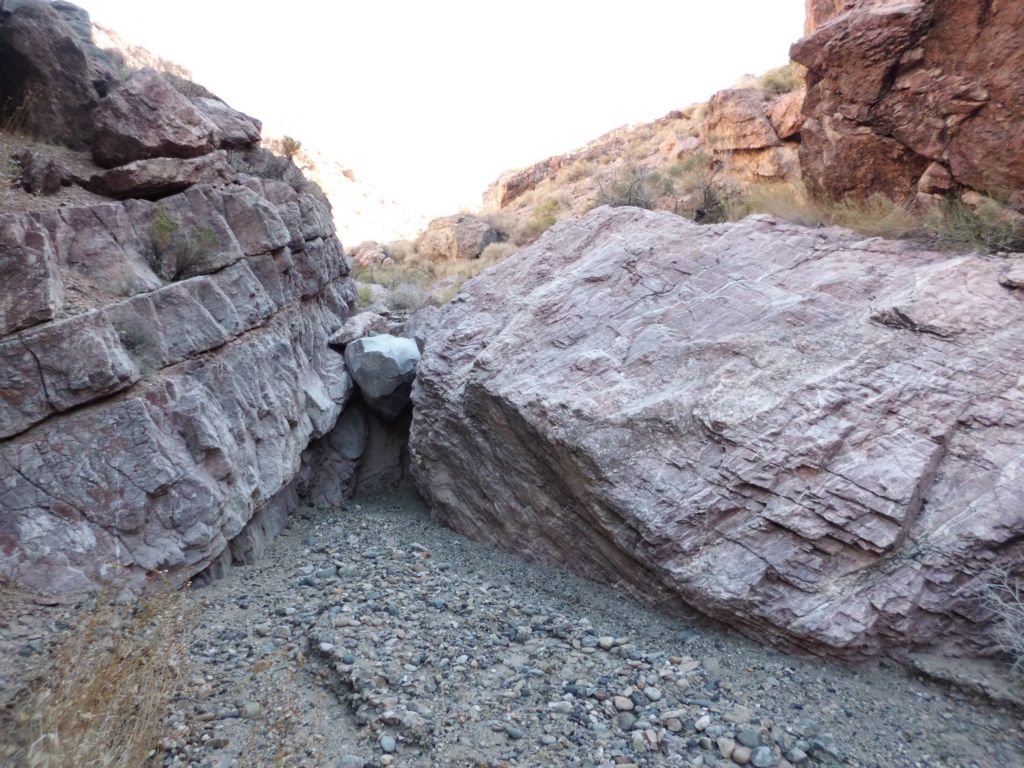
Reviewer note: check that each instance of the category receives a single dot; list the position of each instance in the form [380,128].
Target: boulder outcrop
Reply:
[166,386]
[813,437]
[384,368]
[455,237]
[146,117]
[895,86]
[46,77]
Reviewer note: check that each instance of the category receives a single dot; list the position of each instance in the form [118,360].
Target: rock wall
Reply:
[901,93]
[140,433]
[815,438]
[164,365]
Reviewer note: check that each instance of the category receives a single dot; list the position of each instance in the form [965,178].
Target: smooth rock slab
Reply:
[815,438]
[384,368]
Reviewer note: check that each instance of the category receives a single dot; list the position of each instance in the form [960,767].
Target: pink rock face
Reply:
[813,437]
[894,86]
[170,410]
[145,117]
[161,176]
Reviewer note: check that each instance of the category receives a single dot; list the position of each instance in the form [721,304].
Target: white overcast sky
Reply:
[432,100]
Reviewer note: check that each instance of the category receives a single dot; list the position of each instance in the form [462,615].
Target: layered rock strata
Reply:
[164,367]
[815,438]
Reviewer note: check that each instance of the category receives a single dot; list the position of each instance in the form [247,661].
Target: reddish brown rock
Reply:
[786,113]
[898,85]
[774,164]
[235,130]
[813,437]
[165,427]
[738,120]
[819,12]
[145,117]
[455,237]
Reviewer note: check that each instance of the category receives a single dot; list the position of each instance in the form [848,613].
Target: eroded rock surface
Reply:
[812,437]
[145,117]
[894,86]
[455,237]
[165,366]
[46,78]
[384,367]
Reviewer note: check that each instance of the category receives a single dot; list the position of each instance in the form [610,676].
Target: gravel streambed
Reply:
[371,637]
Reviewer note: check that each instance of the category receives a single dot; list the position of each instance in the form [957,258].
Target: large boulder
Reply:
[384,368]
[894,86]
[455,237]
[813,437]
[235,130]
[46,79]
[738,120]
[146,117]
[161,176]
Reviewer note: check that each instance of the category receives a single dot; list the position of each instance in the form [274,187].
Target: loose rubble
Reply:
[372,637]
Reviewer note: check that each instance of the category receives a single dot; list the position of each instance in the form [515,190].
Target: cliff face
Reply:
[163,356]
[812,437]
[907,97]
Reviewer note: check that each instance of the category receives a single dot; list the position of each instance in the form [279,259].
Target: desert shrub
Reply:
[495,253]
[878,216]
[783,79]
[986,227]
[502,222]
[631,186]
[400,250]
[186,249]
[112,682]
[290,146]
[143,343]
[406,297]
[578,169]
[365,296]
[785,200]
[1002,593]
[701,193]
[541,219]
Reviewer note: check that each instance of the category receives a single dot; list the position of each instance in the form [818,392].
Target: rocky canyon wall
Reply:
[163,336]
[913,97]
[815,438]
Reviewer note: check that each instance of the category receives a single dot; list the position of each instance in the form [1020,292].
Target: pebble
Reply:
[424,640]
[741,755]
[623,703]
[749,737]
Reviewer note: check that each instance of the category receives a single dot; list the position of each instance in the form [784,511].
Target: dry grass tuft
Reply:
[112,681]
[783,79]
[987,227]
[415,283]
